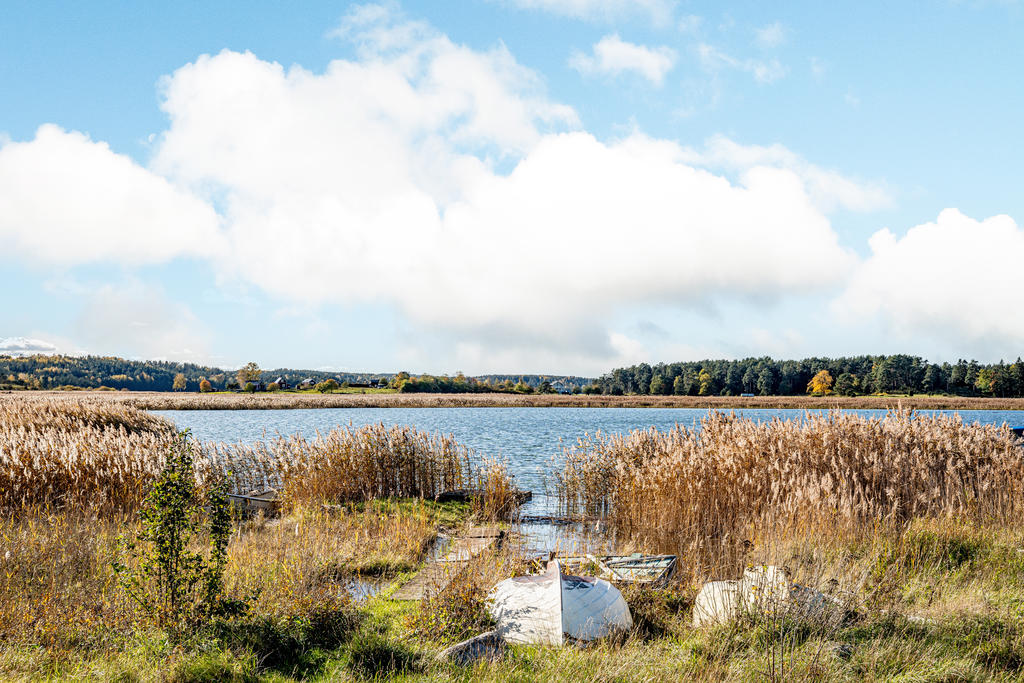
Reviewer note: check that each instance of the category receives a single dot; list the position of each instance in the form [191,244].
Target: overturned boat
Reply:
[553,608]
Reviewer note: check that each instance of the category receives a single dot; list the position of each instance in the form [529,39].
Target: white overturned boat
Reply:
[548,608]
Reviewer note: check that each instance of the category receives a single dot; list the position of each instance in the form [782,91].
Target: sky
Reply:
[511,186]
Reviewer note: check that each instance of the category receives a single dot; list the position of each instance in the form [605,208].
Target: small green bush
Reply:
[174,583]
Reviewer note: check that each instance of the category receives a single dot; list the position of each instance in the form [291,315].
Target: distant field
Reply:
[386,399]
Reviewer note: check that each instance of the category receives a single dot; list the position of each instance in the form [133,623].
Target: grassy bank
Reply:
[912,523]
[275,401]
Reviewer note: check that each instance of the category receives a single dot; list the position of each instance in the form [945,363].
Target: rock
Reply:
[717,603]
[487,646]
[762,589]
[841,651]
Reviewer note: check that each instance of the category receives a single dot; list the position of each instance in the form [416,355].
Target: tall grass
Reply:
[274,401]
[707,494]
[96,458]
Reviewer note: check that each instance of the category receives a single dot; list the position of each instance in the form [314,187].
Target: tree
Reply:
[328,386]
[658,385]
[678,386]
[170,578]
[820,384]
[704,381]
[766,381]
[180,382]
[933,380]
[273,386]
[204,386]
[250,372]
[846,384]
[250,387]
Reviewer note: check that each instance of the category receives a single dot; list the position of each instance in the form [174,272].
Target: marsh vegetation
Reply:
[913,520]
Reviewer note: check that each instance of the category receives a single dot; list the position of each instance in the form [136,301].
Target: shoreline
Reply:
[279,401]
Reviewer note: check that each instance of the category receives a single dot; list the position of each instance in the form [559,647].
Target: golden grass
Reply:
[93,457]
[275,401]
[98,457]
[905,515]
[708,494]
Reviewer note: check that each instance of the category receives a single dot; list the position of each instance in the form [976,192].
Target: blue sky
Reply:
[555,186]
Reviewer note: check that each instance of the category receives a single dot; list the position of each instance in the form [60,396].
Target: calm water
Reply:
[528,438]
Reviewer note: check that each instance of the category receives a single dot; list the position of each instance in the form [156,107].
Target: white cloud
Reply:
[441,182]
[770,36]
[66,199]
[714,60]
[614,56]
[659,11]
[366,185]
[829,189]
[957,280]
[23,346]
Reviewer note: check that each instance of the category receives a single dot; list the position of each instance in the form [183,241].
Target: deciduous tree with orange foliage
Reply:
[821,384]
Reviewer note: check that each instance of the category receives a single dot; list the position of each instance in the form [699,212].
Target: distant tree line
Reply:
[460,384]
[897,374]
[105,372]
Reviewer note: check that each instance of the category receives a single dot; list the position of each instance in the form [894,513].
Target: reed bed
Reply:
[275,401]
[349,464]
[709,494]
[93,457]
[98,458]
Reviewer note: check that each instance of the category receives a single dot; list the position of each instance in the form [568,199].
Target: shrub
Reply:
[327,386]
[167,577]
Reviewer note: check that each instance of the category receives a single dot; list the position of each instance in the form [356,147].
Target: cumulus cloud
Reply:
[23,346]
[829,189]
[613,56]
[658,11]
[764,71]
[957,279]
[442,182]
[374,181]
[66,199]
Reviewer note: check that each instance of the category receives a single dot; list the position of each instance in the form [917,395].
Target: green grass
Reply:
[968,581]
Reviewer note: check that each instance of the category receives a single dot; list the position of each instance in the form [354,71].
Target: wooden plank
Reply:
[463,549]
[437,574]
[482,531]
[432,579]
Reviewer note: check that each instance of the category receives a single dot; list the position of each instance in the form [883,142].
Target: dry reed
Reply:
[707,494]
[275,401]
[96,458]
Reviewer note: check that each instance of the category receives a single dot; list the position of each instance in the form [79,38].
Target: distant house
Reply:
[257,384]
[307,383]
[282,383]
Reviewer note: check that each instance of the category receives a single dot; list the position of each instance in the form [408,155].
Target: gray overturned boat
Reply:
[551,608]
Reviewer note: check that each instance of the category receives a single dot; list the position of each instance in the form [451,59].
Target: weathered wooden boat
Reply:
[249,504]
[654,571]
[553,608]
[467,495]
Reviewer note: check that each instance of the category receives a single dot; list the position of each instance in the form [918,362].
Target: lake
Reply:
[527,438]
